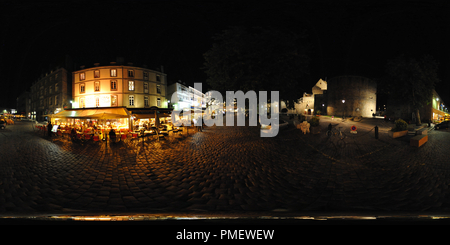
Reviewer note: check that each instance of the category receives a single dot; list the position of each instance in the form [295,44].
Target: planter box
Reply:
[418,140]
[397,134]
[315,130]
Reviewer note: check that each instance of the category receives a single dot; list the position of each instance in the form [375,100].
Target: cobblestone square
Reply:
[225,170]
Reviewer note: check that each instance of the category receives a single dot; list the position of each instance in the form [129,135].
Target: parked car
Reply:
[2,124]
[442,125]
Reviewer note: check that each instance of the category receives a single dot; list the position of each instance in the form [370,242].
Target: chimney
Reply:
[119,60]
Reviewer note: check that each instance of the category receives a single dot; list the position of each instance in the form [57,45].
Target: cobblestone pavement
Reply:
[225,170]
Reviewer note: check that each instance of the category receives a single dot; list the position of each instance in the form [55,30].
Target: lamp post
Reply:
[343,109]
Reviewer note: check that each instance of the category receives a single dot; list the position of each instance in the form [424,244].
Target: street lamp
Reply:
[343,109]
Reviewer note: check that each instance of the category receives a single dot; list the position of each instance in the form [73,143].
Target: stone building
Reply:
[351,96]
[311,103]
[51,93]
[342,95]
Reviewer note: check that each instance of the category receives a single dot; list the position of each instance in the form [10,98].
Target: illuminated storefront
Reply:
[115,118]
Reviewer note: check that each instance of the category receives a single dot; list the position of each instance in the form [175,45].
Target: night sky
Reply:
[347,37]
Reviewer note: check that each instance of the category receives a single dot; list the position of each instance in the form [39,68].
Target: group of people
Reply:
[73,132]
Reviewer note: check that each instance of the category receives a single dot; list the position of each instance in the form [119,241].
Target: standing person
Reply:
[49,129]
[112,135]
[199,122]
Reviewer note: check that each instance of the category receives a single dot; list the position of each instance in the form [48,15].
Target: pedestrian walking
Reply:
[49,129]
[200,124]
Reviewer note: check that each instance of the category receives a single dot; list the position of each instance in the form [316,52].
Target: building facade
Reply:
[436,111]
[50,94]
[343,95]
[188,97]
[351,96]
[24,104]
[117,85]
[312,103]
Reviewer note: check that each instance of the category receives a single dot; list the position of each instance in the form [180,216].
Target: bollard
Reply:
[376,132]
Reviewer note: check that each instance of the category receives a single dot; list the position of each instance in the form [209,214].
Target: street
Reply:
[230,170]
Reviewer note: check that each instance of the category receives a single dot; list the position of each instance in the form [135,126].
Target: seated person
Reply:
[73,133]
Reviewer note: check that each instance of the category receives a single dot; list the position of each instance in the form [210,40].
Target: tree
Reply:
[258,59]
[412,81]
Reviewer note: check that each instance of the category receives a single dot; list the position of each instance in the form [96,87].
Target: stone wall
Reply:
[358,92]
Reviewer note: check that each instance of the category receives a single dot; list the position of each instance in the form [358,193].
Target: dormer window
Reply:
[82,76]
[114,72]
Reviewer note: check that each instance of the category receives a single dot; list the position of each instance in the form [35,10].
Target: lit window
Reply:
[82,88]
[158,89]
[146,88]
[158,102]
[113,85]
[146,101]
[130,85]
[113,100]
[82,76]
[131,100]
[97,101]
[96,73]
[114,72]
[130,73]
[97,86]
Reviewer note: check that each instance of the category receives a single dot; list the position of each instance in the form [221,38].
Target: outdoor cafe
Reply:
[96,123]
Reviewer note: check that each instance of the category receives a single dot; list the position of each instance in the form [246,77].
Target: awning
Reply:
[144,116]
[104,113]
[142,113]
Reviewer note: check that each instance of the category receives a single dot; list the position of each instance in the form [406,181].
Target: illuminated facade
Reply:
[119,85]
[343,95]
[436,111]
[311,103]
[188,97]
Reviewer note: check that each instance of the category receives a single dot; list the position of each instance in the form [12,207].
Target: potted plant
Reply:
[314,125]
[400,129]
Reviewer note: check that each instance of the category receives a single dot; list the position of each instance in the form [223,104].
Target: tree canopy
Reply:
[258,59]
[411,81]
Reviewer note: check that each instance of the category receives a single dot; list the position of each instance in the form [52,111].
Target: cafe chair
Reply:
[123,137]
[87,136]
